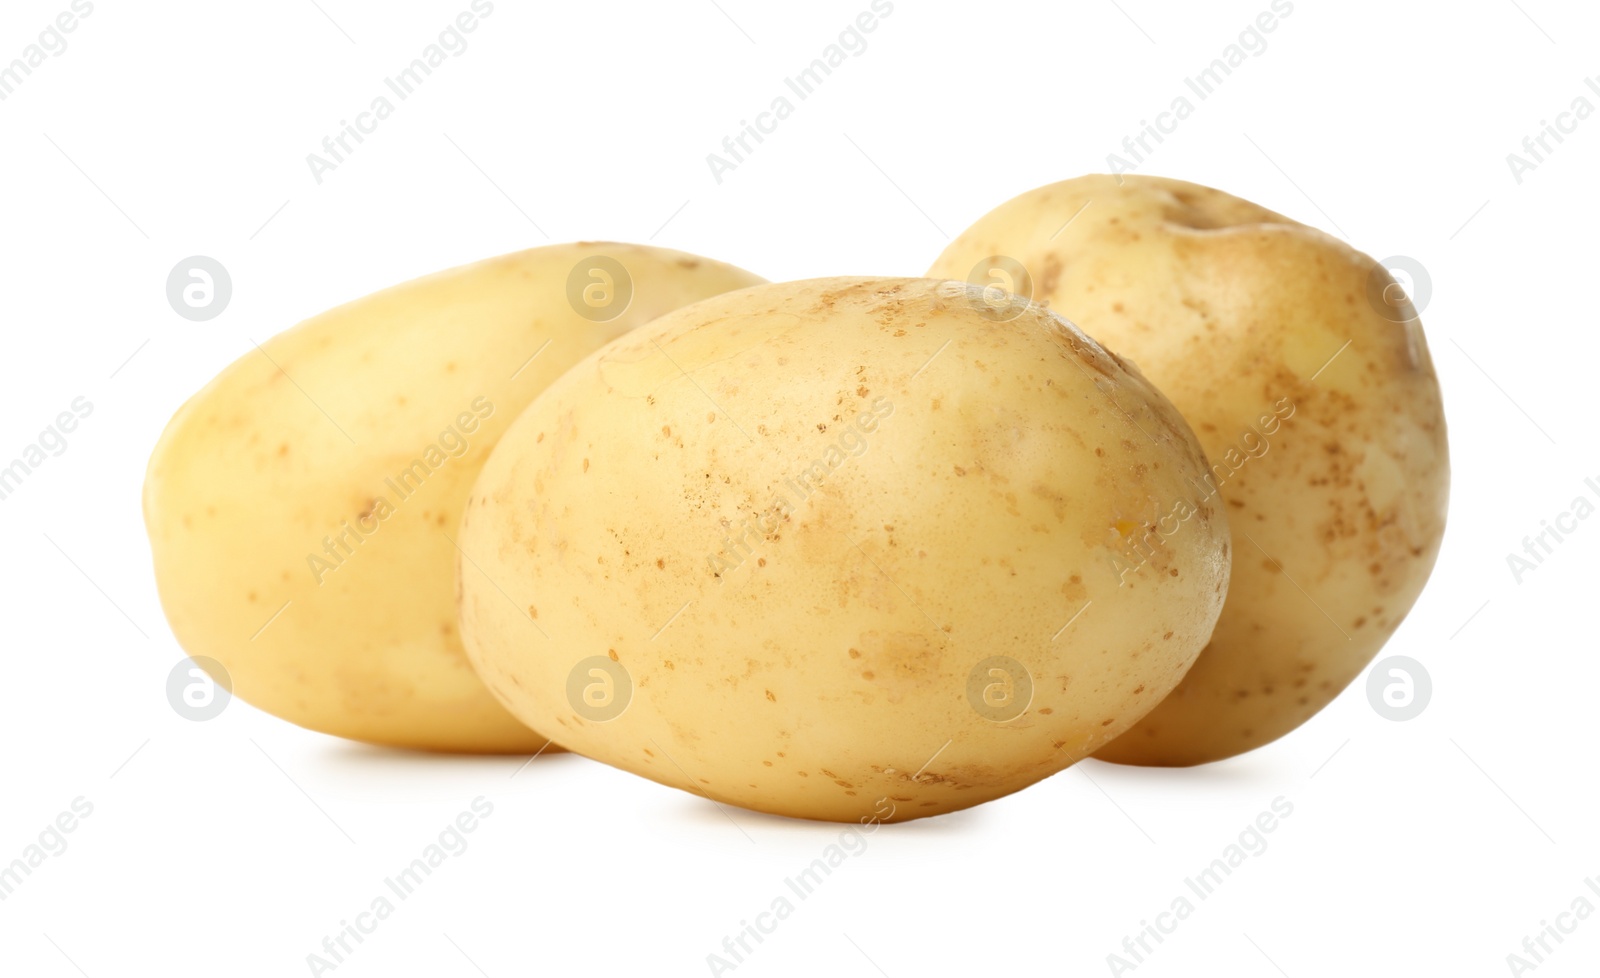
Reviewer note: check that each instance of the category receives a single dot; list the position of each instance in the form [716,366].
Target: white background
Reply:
[233,847]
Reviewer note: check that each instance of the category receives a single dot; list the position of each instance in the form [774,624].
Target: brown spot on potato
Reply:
[1049,276]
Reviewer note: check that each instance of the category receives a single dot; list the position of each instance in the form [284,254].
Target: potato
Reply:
[302,507]
[841,549]
[1306,375]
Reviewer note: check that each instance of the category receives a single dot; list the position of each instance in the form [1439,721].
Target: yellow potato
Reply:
[841,549]
[301,508]
[1304,371]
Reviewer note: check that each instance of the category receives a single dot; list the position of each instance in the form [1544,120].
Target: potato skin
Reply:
[1336,482]
[251,476]
[799,516]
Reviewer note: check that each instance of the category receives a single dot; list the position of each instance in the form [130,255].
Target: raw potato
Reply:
[301,507]
[783,530]
[1331,457]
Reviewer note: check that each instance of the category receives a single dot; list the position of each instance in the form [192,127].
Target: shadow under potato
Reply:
[696,810]
[356,761]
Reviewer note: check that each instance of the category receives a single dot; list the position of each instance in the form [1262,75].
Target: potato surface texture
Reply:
[1304,370]
[302,507]
[841,549]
